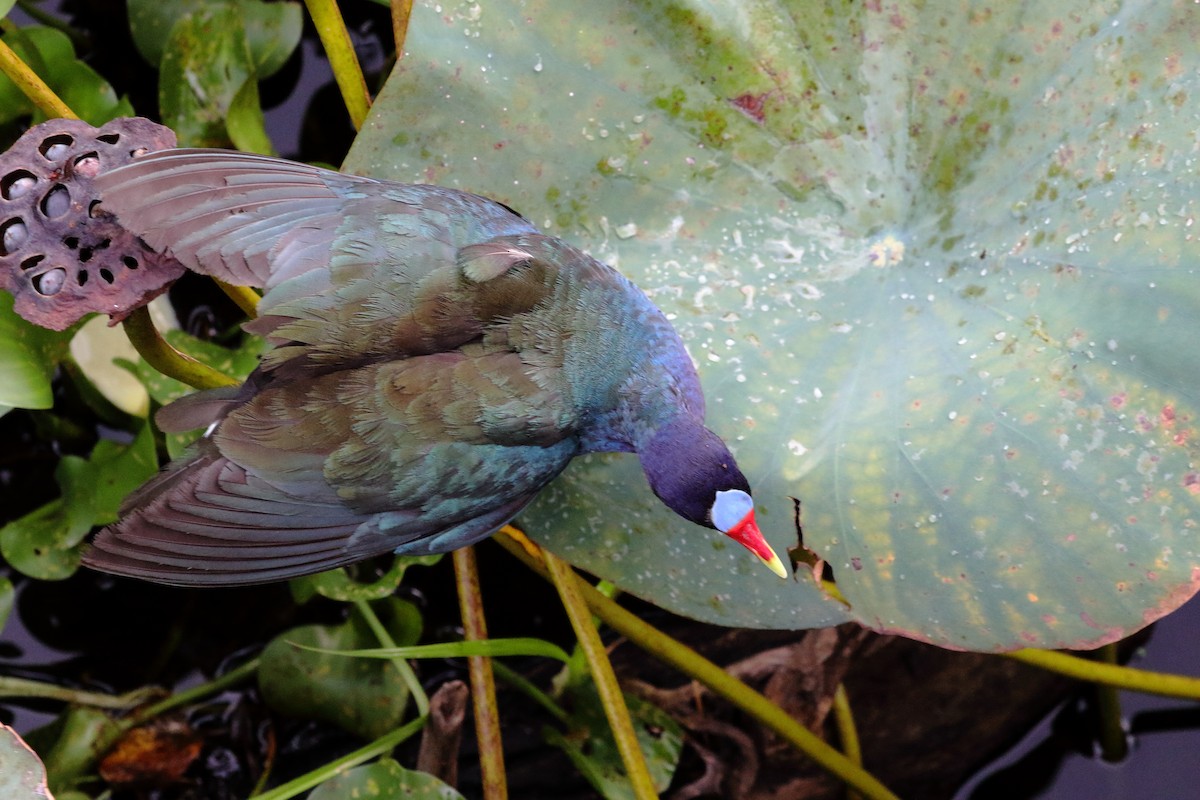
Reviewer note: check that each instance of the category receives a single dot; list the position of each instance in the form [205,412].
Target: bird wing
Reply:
[425,455]
[356,270]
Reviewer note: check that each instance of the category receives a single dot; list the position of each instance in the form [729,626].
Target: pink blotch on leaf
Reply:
[752,105]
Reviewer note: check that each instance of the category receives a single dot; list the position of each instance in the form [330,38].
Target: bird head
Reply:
[692,471]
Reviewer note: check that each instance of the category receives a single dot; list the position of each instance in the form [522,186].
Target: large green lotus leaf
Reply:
[22,776]
[936,263]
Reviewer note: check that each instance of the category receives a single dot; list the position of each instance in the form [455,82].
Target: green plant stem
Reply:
[402,666]
[1113,744]
[569,590]
[401,14]
[379,747]
[145,713]
[527,688]
[1138,680]
[220,684]
[706,672]
[166,359]
[31,85]
[245,297]
[23,687]
[847,732]
[346,70]
[483,683]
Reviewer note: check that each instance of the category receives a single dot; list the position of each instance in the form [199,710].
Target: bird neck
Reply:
[649,400]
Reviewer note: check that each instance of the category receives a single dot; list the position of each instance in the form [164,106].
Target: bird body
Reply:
[434,362]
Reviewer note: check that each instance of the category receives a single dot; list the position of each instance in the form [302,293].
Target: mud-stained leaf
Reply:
[937,264]
[157,754]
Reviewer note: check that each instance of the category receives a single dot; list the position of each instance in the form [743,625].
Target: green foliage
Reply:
[589,743]
[367,697]
[28,357]
[336,584]
[211,55]
[52,56]
[46,543]
[236,363]
[7,595]
[68,745]
[935,265]
[384,779]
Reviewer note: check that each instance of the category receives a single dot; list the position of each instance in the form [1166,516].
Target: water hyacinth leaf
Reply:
[150,24]
[272,29]
[936,263]
[206,63]
[590,745]
[7,597]
[273,32]
[28,356]
[364,696]
[384,778]
[69,745]
[245,122]
[50,54]
[22,775]
[45,543]
[337,584]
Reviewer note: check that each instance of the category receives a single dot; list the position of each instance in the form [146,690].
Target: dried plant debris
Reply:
[62,256]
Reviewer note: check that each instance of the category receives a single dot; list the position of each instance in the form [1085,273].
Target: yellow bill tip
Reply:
[775,565]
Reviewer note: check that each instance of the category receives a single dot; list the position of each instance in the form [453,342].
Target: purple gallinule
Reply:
[434,362]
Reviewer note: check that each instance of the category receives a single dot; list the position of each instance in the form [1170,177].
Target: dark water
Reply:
[1056,759]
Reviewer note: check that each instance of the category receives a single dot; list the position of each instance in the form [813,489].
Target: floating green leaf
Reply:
[28,356]
[336,584]
[45,543]
[384,779]
[936,263]
[364,696]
